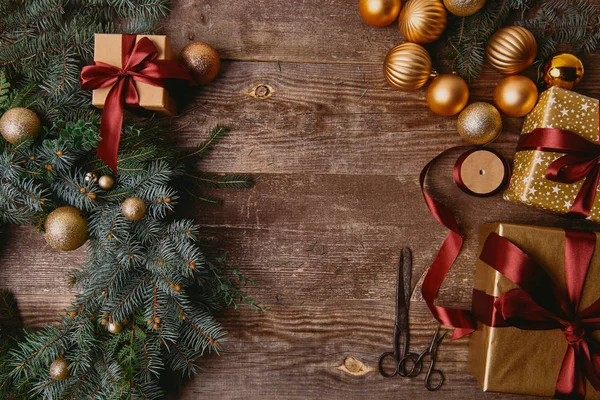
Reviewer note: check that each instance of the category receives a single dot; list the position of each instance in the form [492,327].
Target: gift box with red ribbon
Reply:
[557,164]
[537,305]
[129,70]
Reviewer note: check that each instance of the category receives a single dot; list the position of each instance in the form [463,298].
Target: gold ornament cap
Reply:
[66,228]
[511,50]
[464,8]
[59,369]
[515,96]
[379,13]
[479,123]
[422,21]
[563,70]
[407,67]
[202,61]
[133,208]
[106,182]
[447,95]
[18,123]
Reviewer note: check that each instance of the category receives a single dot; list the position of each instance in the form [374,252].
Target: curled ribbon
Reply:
[139,64]
[540,305]
[581,161]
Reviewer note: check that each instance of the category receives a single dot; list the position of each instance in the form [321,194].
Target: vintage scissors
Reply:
[401,323]
[417,364]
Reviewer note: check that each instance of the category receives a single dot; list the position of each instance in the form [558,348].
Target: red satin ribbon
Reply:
[540,305]
[581,161]
[139,64]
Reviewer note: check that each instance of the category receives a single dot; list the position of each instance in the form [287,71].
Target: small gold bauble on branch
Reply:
[422,21]
[202,61]
[59,369]
[379,13]
[464,8]
[18,123]
[106,182]
[407,66]
[511,50]
[91,177]
[133,208]
[66,228]
[114,327]
[515,96]
[479,123]
[563,70]
[447,95]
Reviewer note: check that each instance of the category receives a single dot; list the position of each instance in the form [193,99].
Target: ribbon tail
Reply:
[111,124]
[571,382]
[585,198]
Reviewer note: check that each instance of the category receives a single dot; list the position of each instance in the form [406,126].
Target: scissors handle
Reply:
[387,373]
[410,365]
[438,379]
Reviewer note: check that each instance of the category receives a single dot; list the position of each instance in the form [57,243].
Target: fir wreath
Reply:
[151,281]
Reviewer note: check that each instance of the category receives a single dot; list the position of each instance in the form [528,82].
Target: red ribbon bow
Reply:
[540,305]
[581,161]
[139,65]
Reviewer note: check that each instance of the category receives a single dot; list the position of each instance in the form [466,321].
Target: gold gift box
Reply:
[107,49]
[512,360]
[562,109]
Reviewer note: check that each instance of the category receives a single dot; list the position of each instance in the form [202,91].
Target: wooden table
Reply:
[337,154]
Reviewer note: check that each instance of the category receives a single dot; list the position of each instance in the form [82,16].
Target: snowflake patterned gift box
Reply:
[559,121]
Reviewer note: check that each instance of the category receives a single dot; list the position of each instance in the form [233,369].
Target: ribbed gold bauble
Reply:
[379,13]
[114,327]
[422,21]
[133,208]
[18,123]
[464,8]
[563,70]
[66,228]
[106,182]
[479,123]
[447,95]
[59,369]
[512,49]
[202,61]
[515,96]
[407,66]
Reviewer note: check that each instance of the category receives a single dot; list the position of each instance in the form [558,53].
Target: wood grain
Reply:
[336,153]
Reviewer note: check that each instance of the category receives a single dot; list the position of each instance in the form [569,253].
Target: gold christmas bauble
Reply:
[464,8]
[407,66]
[563,70]
[133,208]
[106,182]
[447,95]
[59,369]
[479,123]
[18,123]
[515,96]
[511,50]
[114,327]
[422,21]
[66,228]
[202,61]
[91,177]
[379,13]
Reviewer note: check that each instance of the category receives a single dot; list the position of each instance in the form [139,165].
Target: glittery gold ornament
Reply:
[201,60]
[422,21]
[379,12]
[106,182]
[407,66]
[114,327]
[59,369]
[515,95]
[91,177]
[479,123]
[18,123]
[447,95]
[133,208]
[511,50]
[464,8]
[66,228]
[563,70]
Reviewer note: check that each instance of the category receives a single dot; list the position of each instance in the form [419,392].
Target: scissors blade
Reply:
[407,273]
[401,303]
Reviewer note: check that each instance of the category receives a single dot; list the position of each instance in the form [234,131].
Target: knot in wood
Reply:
[261,91]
